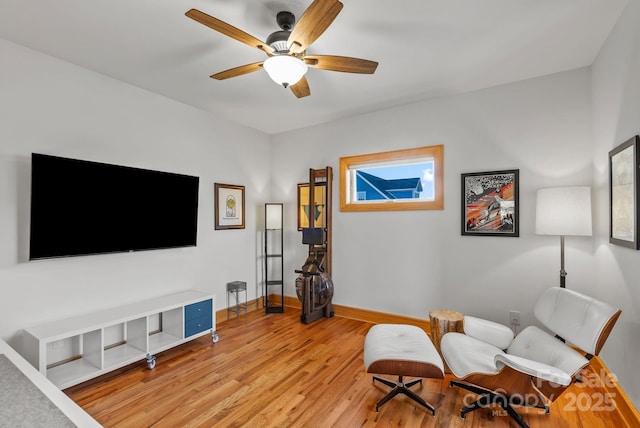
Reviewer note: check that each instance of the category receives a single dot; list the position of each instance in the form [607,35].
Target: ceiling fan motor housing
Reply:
[278,40]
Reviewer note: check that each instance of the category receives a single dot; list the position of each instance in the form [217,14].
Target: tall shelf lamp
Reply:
[563,211]
[273,258]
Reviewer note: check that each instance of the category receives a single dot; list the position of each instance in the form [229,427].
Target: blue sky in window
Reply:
[423,170]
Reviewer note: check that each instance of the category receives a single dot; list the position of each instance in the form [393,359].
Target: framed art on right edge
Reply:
[623,194]
[490,203]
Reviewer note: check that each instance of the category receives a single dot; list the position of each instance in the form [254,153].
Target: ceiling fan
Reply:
[287,60]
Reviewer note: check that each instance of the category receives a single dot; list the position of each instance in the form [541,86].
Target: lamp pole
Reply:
[563,273]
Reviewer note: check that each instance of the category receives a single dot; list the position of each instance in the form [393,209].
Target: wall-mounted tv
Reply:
[80,208]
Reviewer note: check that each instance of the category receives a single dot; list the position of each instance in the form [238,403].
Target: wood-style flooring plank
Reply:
[273,371]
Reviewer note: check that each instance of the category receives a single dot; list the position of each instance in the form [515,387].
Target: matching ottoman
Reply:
[401,350]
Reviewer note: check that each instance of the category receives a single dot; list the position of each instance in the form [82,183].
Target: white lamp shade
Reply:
[285,70]
[564,211]
[273,216]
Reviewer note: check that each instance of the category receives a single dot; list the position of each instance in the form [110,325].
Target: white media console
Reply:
[73,350]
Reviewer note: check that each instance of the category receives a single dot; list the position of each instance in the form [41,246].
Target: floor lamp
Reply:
[563,211]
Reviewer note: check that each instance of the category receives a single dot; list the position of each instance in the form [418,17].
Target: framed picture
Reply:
[623,194]
[490,203]
[229,206]
[319,208]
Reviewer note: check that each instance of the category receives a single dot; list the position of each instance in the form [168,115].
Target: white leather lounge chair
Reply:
[535,367]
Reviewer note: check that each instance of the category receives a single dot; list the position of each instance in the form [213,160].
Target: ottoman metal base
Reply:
[400,387]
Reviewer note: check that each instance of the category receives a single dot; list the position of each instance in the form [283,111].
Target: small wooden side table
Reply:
[442,322]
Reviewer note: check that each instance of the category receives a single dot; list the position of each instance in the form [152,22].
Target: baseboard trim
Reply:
[365,315]
[625,406]
[359,314]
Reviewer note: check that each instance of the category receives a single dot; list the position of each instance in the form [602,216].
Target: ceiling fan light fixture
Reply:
[285,70]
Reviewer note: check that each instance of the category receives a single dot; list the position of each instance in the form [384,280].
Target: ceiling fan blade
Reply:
[228,30]
[301,89]
[313,22]
[341,63]
[237,71]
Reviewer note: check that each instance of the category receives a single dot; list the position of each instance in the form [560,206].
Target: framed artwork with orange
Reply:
[490,203]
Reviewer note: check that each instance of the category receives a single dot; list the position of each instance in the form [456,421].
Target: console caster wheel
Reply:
[214,337]
[151,361]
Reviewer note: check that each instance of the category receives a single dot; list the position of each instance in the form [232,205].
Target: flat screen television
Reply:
[80,208]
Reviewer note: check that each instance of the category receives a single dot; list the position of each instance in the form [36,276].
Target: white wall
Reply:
[409,262]
[49,106]
[616,118]
[550,129]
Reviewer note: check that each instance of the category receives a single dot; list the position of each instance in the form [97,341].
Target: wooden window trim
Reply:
[437,152]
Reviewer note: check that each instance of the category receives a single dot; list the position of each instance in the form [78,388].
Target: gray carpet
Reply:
[23,404]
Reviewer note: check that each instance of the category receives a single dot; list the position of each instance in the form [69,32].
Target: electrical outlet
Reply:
[514,317]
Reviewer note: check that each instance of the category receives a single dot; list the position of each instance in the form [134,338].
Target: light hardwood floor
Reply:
[273,371]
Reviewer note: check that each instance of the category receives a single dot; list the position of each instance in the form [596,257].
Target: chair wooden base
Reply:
[400,387]
[488,398]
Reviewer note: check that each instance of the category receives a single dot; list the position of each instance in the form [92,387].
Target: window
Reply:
[410,179]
